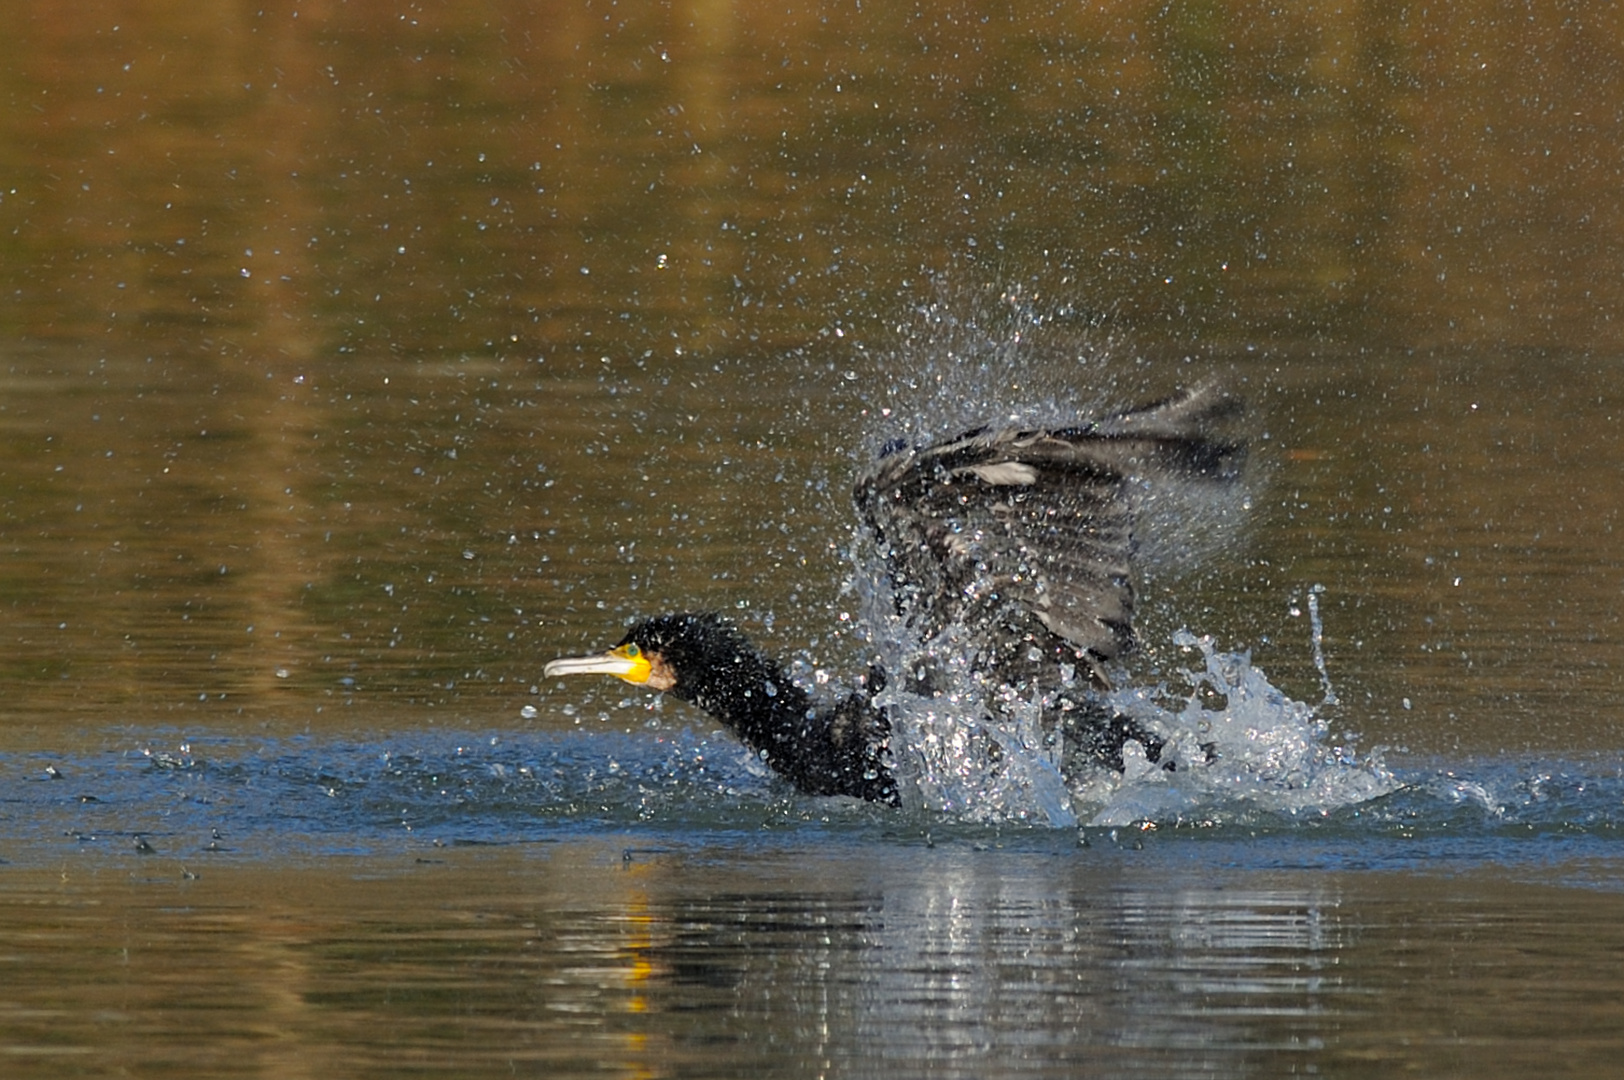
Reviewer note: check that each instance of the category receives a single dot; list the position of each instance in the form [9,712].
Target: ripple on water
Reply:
[1278,792]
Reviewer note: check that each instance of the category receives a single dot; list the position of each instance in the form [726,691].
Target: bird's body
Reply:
[1019,542]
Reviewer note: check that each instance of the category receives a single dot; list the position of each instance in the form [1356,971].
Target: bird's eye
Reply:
[633,652]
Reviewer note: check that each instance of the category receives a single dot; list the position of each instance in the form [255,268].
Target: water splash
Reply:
[1241,747]
[951,756]
[1317,628]
[1236,746]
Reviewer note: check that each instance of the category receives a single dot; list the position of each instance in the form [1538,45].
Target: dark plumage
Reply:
[1022,539]
[823,752]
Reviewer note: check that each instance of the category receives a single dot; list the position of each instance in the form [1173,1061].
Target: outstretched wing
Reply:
[1025,538]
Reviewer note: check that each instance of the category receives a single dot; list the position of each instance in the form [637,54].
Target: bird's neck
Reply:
[828,752]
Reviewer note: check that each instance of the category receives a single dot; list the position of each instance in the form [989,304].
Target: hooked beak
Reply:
[624,662]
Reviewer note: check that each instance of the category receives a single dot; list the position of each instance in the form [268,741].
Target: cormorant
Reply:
[1021,541]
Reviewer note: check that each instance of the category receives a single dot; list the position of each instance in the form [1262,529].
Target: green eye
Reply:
[632,652]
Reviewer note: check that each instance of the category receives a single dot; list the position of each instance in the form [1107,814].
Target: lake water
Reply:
[359,358]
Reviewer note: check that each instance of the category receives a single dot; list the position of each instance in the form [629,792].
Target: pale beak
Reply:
[625,662]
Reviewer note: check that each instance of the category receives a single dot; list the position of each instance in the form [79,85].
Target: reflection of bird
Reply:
[1019,542]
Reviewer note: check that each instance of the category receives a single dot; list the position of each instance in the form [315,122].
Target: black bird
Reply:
[1019,540]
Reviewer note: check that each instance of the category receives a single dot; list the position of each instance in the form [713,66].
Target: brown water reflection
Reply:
[363,328]
[401,545]
[576,961]
[288,180]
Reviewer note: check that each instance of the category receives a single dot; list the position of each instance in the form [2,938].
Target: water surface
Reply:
[355,359]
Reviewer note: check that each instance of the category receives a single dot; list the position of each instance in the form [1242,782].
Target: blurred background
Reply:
[358,357]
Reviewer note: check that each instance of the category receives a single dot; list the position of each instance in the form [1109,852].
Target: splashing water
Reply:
[1238,746]
[952,756]
[1260,751]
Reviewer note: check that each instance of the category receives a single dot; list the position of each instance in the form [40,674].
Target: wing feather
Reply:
[1025,538]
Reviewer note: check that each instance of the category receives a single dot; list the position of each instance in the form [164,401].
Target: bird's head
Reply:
[666,653]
